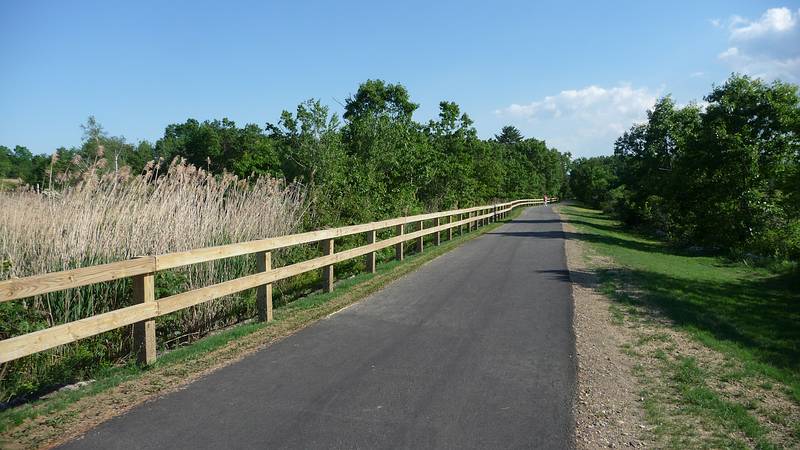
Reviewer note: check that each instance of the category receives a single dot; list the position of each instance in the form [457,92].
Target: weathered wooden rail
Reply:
[143,269]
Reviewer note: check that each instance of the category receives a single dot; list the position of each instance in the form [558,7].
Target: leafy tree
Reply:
[726,176]
[15,163]
[380,133]
[750,143]
[454,146]
[376,98]
[22,161]
[592,179]
[6,161]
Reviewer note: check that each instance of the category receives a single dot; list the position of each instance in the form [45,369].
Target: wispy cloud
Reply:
[774,20]
[767,47]
[584,121]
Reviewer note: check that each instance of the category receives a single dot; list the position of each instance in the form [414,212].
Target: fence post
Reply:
[398,248]
[421,239]
[450,228]
[371,236]
[264,292]
[461,227]
[438,233]
[473,224]
[327,271]
[144,332]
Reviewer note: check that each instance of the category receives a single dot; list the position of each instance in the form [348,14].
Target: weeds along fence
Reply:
[147,305]
[93,216]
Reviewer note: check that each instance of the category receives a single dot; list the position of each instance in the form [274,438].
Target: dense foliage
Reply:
[726,175]
[375,162]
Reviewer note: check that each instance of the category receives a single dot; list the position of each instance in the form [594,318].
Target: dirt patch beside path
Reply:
[608,408]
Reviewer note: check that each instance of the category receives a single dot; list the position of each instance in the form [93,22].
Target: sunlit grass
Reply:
[748,312]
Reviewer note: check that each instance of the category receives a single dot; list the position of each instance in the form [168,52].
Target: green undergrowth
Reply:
[354,288]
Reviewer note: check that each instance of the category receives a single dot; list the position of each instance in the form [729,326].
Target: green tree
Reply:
[509,135]
[743,166]
[393,152]
[6,161]
[591,180]
[726,176]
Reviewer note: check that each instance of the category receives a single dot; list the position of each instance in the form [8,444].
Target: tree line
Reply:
[374,162]
[723,175]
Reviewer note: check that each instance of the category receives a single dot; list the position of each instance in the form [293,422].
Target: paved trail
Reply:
[473,350]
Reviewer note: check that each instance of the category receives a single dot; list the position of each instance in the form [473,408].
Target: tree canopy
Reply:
[724,176]
[374,162]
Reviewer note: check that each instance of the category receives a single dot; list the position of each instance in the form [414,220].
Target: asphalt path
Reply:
[473,350]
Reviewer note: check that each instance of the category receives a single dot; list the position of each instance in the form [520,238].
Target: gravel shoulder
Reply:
[643,382]
[608,407]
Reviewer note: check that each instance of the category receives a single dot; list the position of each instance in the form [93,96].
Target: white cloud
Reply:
[729,53]
[768,47]
[774,20]
[697,74]
[583,121]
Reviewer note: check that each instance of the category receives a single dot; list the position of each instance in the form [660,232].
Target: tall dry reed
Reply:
[101,217]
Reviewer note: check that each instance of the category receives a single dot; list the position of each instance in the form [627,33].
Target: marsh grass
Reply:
[96,217]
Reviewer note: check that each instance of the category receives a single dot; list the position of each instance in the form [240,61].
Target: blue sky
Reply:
[573,73]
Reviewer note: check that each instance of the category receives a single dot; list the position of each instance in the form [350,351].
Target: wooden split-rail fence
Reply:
[147,307]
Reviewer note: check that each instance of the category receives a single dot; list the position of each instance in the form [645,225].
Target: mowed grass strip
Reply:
[750,315]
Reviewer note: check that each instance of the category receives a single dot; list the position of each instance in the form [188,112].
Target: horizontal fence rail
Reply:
[146,308]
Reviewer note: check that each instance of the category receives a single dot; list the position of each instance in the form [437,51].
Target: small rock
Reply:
[76,386]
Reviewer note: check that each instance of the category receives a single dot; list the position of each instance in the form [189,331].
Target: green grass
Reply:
[700,400]
[751,314]
[358,286]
